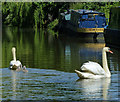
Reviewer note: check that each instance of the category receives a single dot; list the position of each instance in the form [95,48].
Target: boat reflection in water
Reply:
[94,88]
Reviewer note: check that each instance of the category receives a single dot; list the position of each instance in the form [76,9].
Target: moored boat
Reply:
[112,32]
[83,21]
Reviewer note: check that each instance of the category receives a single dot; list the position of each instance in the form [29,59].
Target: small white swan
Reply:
[15,64]
[93,69]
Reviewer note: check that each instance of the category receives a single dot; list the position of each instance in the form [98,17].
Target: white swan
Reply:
[93,69]
[15,64]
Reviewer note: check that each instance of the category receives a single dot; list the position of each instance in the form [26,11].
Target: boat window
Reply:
[84,16]
[87,17]
[90,16]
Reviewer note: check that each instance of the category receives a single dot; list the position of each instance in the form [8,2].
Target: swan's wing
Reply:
[93,67]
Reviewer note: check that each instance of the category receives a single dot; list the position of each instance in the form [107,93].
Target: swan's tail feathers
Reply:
[80,75]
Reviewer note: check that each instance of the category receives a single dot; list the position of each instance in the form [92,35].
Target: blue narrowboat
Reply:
[112,32]
[83,21]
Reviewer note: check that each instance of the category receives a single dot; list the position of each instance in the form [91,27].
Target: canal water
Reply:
[51,60]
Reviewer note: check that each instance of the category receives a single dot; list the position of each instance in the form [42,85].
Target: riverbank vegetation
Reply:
[45,14]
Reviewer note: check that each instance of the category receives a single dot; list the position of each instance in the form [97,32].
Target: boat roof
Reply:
[83,11]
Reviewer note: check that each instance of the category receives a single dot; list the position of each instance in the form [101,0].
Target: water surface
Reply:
[51,61]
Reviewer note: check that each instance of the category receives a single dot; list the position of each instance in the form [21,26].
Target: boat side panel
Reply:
[90,30]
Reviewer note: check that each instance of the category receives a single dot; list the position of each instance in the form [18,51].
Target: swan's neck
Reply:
[14,55]
[105,64]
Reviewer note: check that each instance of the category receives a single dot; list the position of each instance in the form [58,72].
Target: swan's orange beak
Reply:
[110,51]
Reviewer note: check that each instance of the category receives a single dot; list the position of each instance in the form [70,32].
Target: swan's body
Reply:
[15,64]
[93,69]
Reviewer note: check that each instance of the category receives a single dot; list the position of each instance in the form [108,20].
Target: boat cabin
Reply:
[88,19]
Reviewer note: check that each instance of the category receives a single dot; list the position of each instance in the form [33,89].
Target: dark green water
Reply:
[51,61]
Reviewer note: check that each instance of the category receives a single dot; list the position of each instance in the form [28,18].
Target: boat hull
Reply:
[90,30]
[83,32]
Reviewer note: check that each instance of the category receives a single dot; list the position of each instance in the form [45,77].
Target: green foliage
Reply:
[98,6]
[17,13]
[35,14]
[52,24]
[41,14]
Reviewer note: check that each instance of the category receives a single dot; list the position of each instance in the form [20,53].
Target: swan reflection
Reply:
[14,84]
[94,88]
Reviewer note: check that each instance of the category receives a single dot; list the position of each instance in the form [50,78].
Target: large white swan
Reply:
[15,64]
[93,69]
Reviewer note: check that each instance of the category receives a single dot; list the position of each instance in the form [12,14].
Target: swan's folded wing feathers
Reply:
[93,67]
